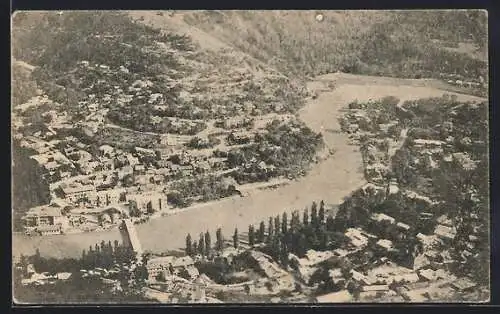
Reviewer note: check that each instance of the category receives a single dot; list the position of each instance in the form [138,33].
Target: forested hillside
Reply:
[409,44]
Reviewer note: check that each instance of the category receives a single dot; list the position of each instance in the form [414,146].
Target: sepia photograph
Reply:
[250,157]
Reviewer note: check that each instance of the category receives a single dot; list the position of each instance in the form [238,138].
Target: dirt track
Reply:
[330,180]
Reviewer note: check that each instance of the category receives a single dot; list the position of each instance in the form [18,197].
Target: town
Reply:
[94,164]
[384,243]
[354,172]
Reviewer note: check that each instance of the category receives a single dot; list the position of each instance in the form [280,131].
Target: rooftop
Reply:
[335,297]
[44,210]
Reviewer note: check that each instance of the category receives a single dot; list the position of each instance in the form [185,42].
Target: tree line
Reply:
[279,236]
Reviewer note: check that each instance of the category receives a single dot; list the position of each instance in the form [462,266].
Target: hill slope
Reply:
[393,43]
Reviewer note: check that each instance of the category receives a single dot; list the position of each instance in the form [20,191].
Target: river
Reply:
[329,180]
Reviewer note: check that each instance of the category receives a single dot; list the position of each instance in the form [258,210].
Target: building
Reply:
[75,193]
[375,288]
[171,265]
[385,244]
[109,197]
[145,201]
[48,230]
[445,233]
[356,237]
[421,143]
[403,226]
[378,217]
[45,216]
[359,277]
[343,296]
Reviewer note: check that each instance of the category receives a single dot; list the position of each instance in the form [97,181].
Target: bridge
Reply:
[130,237]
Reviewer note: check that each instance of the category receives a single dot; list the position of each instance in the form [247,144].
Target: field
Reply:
[330,180]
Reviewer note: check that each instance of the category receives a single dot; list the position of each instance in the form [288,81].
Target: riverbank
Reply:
[330,180]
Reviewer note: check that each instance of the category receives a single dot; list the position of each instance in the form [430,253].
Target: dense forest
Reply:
[392,43]
[29,188]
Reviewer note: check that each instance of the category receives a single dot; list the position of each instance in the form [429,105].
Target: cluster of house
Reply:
[32,277]
[384,279]
[457,80]
[102,209]
[168,266]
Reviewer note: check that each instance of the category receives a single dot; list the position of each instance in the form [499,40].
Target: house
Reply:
[385,244]
[145,152]
[356,237]
[414,296]
[74,193]
[107,150]
[375,288]
[403,226]
[342,296]
[427,274]
[111,196]
[48,230]
[45,215]
[379,217]
[359,277]
[105,215]
[63,276]
[239,137]
[421,143]
[139,169]
[445,233]
[463,284]
[171,265]
[445,221]
[149,200]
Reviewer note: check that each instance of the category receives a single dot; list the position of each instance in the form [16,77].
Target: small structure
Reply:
[343,296]
[379,217]
[46,218]
[74,193]
[463,284]
[445,233]
[375,288]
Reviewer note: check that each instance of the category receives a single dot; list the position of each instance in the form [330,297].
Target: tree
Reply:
[133,209]
[219,240]
[201,244]
[235,238]
[277,225]
[305,219]
[251,235]
[330,223]
[262,231]
[270,229]
[208,243]
[314,214]
[189,246]
[322,211]
[195,249]
[284,223]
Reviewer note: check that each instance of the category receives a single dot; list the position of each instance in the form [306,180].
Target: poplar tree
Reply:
[251,235]
[189,245]
[235,238]
[262,231]
[219,240]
